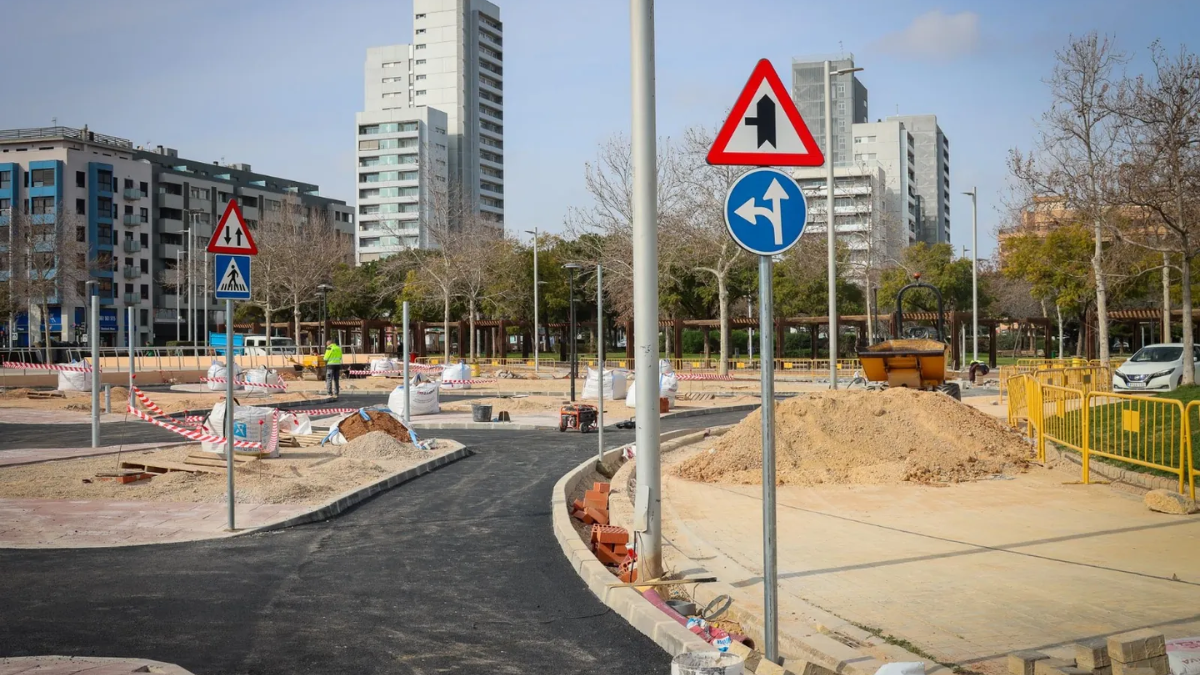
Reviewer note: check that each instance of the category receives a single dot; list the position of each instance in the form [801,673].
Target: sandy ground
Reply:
[298,476]
[170,402]
[747,381]
[551,404]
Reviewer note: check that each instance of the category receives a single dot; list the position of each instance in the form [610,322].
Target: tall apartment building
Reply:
[859,196]
[849,102]
[133,206]
[932,154]
[890,147]
[454,68]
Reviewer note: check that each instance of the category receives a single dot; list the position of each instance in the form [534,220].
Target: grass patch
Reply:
[906,645]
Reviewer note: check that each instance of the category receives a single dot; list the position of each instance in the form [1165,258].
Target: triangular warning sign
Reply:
[764,128]
[232,280]
[232,235]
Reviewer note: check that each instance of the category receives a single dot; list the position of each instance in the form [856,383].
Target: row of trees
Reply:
[1109,194]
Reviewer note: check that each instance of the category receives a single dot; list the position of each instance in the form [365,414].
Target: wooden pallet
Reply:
[159,467]
[303,441]
[40,395]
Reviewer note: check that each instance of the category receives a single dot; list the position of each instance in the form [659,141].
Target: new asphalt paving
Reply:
[457,571]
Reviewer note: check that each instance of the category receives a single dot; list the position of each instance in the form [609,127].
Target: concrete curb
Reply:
[626,602]
[343,502]
[36,663]
[1116,474]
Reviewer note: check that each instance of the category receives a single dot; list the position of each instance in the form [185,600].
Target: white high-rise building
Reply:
[449,80]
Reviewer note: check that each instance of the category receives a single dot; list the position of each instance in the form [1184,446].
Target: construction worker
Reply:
[333,368]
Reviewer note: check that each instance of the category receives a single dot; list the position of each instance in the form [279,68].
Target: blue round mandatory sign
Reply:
[765,211]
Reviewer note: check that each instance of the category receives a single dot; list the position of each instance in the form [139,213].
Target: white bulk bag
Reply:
[614,384]
[217,370]
[261,376]
[71,380]
[1184,656]
[250,423]
[423,397]
[383,365]
[664,367]
[668,386]
[458,371]
[296,424]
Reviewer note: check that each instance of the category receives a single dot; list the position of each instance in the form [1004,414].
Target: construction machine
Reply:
[916,363]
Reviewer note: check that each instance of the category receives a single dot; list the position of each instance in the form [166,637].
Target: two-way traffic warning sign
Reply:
[232,235]
[232,273]
[764,128]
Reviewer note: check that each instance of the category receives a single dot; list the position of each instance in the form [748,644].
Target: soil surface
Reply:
[862,437]
[170,402]
[354,426]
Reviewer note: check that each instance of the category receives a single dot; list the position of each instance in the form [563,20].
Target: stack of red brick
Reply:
[608,542]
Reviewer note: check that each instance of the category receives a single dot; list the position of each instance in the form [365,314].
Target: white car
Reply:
[1154,368]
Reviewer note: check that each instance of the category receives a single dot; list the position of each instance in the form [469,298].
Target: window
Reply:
[384,176]
[491,126]
[491,82]
[81,206]
[491,141]
[144,215]
[420,77]
[104,234]
[105,178]
[489,171]
[491,156]
[368,242]
[145,239]
[491,187]
[274,205]
[440,130]
[420,46]
[420,31]
[420,92]
[489,96]
[80,233]
[419,16]
[5,180]
[145,291]
[201,218]
[5,205]
[393,94]
[488,65]
[128,183]
[393,64]
[494,203]
[171,239]
[144,187]
[104,207]
[41,205]
[42,177]
[491,112]
[200,193]
[80,179]
[389,80]
[171,188]
[420,62]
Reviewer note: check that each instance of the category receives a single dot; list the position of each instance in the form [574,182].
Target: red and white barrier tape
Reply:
[244,383]
[465,381]
[145,400]
[324,411]
[703,376]
[375,372]
[193,419]
[45,366]
[273,442]
[421,366]
[201,436]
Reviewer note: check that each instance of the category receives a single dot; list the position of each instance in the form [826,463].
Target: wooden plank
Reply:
[163,466]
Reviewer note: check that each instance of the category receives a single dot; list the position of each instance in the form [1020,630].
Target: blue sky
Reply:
[276,83]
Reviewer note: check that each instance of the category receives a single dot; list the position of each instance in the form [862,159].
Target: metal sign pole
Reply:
[766,351]
[229,375]
[407,384]
[132,341]
[94,338]
[600,354]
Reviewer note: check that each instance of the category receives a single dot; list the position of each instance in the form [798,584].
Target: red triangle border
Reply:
[717,155]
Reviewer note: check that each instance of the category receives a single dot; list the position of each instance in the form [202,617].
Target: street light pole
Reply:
[974,192]
[574,356]
[830,219]
[600,357]
[191,322]
[536,336]
[93,292]
[178,294]
[324,288]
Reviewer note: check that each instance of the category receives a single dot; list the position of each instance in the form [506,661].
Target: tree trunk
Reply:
[446,326]
[267,320]
[1189,362]
[471,321]
[1082,328]
[46,329]
[1061,345]
[870,317]
[1101,294]
[295,316]
[723,302]
[1166,299]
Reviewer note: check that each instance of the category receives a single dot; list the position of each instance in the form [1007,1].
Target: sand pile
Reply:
[354,425]
[867,438]
[377,445]
[19,392]
[522,404]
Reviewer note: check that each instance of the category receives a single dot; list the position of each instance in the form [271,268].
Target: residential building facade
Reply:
[931,149]
[849,103]
[454,68]
[136,209]
[860,198]
[890,147]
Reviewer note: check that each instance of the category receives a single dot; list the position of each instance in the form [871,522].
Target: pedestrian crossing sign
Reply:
[232,273]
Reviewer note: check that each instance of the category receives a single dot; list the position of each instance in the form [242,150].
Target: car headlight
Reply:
[1162,373]
[1121,375]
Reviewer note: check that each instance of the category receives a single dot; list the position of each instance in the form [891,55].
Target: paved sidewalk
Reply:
[71,665]
[969,572]
[54,523]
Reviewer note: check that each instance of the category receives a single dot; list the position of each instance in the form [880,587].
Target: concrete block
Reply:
[1022,663]
[1137,645]
[1155,665]
[1070,670]
[1091,654]
[1050,666]
[1166,501]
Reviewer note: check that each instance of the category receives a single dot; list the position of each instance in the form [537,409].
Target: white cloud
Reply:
[934,35]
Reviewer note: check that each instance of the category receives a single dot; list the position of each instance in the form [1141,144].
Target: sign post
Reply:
[233,246]
[766,212]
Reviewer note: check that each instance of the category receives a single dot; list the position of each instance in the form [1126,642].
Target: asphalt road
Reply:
[455,572]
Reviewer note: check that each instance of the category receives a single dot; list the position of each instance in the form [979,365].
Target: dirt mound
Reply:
[354,426]
[377,445]
[867,438]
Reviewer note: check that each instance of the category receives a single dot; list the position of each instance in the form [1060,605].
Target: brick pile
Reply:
[609,542]
[1141,652]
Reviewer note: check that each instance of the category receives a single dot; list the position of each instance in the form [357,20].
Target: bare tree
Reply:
[1160,179]
[1075,158]
[274,237]
[49,259]
[474,252]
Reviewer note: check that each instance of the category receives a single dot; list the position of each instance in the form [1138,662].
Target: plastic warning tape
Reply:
[243,383]
[201,436]
[324,411]
[466,381]
[375,372]
[702,376]
[193,419]
[47,366]
[273,441]
[145,400]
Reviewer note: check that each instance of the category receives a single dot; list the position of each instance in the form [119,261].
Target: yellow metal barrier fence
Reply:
[1018,401]
[1062,418]
[1140,430]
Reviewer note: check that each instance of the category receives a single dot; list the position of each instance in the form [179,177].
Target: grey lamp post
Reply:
[536,337]
[571,267]
[324,288]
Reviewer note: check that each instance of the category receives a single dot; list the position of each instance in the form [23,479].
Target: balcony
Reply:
[132,298]
[132,246]
[133,194]
[132,220]
[132,272]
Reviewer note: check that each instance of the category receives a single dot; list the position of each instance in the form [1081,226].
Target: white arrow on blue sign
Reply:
[232,273]
[765,211]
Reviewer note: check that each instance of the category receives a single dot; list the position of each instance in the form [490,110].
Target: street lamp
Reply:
[830,234]
[324,288]
[571,267]
[536,337]
[187,256]
[974,192]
